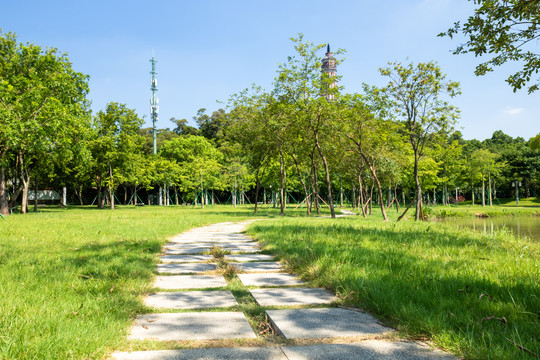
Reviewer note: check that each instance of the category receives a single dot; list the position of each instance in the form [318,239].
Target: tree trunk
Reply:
[483,192]
[353,198]
[283,175]
[111,197]
[418,187]
[361,194]
[304,186]
[397,201]
[315,184]
[35,194]
[373,171]
[340,192]
[80,195]
[111,191]
[4,207]
[379,188]
[99,198]
[490,196]
[25,179]
[257,189]
[444,195]
[371,197]
[327,173]
[24,200]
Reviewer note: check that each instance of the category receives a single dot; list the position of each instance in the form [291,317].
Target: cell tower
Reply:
[154,102]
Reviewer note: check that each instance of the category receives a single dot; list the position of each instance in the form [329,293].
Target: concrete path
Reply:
[305,315]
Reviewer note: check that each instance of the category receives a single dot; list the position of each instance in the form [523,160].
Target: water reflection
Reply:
[528,226]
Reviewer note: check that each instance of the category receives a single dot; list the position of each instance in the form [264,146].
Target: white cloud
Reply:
[512,111]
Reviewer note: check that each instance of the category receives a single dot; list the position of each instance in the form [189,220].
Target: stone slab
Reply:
[189,282]
[189,251]
[366,350]
[276,279]
[201,250]
[174,246]
[250,245]
[292,296]
[187,246]
[259,266]
[324,323]
[191,299]
[210,239]
[189,268]
[185,258]
[240,353]
[249,257]
[192,326]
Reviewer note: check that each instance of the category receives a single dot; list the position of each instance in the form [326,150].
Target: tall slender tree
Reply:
[415,94]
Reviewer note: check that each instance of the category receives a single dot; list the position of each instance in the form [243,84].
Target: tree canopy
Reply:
[508,31]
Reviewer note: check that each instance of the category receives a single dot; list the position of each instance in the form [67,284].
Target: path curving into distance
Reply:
[197,305]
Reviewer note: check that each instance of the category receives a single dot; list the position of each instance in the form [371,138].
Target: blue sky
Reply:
[207,50]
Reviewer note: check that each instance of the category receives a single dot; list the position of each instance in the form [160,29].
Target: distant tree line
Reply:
[305,141]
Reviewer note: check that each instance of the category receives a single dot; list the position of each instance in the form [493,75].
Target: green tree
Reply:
[161,136]
[211,126]
[116,142]
[414,97]
[182,127]
[534,142]
[449,155]
[302,93]
[41,99]
[484,163]
[199,162]
[375,140]
[507,29]
[250,116]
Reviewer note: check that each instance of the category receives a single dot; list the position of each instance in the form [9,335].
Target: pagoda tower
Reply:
[329,67]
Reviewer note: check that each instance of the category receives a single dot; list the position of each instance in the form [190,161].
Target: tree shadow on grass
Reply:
[115,260]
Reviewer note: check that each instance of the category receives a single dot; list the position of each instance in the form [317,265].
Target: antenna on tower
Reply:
[154,102]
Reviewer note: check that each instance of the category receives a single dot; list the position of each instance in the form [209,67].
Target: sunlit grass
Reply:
[473,294]
[71,280]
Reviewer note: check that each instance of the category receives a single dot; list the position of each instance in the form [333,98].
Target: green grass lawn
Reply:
[72,280]
[473,294]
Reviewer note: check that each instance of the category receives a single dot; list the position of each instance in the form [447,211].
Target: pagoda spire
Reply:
[329,67]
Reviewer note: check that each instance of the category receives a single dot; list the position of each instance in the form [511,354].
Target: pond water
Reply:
[520,225]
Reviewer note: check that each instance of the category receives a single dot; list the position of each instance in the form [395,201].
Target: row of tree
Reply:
[388,145]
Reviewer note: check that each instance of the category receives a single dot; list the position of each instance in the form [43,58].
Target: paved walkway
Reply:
[298,314]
